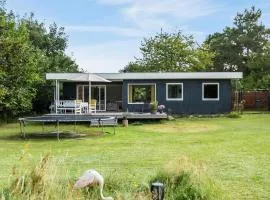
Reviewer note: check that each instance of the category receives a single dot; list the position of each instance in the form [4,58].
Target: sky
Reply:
[104,35]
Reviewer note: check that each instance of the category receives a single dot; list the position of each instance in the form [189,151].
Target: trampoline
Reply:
[99,120]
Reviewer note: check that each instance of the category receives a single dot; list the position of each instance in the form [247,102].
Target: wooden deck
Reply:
[119,115]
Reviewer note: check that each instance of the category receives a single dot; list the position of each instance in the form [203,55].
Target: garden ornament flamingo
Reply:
[89,178]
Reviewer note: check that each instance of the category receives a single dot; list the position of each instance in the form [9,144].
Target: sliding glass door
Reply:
[98,92]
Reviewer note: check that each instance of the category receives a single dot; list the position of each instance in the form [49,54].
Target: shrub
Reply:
[154,106]
[233,115]
[179,186]
[185,181]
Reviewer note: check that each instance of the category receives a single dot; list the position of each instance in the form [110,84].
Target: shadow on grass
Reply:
[53,136]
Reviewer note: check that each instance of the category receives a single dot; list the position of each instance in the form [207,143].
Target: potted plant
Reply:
[125,120]
[154,107]
[161,108]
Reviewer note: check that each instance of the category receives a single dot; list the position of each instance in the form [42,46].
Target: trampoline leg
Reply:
[114,125]
[21,128]
[58,130]
[75,123]
[42,127]
[23,125]
[99,122]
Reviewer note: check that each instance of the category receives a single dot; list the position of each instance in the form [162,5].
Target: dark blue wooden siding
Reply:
[192,100]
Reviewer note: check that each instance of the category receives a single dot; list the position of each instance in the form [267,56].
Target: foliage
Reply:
[140,94]
[39,181]
[171,52]
[19,61]
[243,47]
[154,106]
[27,52]
[185,181]
[161,107]
[233,115]
[52,43]
[50,179]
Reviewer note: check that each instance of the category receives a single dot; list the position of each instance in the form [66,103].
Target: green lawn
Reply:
[236,152]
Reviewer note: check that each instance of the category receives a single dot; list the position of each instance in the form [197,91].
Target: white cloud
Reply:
[129,32]
[105,57]
[146,17]
[158,13]
[111,56]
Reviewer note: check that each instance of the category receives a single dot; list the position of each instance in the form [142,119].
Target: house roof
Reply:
[104,77]
[77,77]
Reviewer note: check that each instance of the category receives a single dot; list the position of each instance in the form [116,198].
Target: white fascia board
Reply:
[148,76]
[172,75]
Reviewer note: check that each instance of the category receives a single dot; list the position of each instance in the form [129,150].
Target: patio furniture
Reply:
[85,107]
[93,105]
[52,108]
[75,106]
[112,106]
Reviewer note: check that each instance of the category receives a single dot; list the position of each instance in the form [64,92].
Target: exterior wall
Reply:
[192,97]
[114,92]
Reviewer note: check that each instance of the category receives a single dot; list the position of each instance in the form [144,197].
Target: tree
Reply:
[27,52]
[259,66]
[52,44]
[18,68]
[171,52]
[237,46]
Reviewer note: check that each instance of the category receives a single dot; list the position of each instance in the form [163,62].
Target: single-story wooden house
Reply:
[180,93]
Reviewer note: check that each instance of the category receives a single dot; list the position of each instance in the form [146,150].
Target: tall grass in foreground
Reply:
[185,181]
[50,180]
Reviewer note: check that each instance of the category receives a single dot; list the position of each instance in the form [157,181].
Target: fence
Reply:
[254,100]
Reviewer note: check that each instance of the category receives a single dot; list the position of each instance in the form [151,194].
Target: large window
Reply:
[174,91]
[141,93]
[210,91]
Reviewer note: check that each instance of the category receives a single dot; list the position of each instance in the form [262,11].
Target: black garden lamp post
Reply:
[157,190]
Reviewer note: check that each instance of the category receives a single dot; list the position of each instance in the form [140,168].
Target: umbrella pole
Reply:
[89,101]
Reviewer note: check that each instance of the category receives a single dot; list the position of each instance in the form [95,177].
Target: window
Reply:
[210,91]
[174,91]
[141,93]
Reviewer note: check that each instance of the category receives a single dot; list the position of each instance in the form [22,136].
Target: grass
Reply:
[233,152]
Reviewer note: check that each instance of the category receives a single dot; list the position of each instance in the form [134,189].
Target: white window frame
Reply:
[210,99]
[131,84]
[167,92]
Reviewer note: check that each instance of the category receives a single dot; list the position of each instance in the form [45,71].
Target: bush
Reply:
[179,186]
[185,181]
[154,106]
[233,115]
